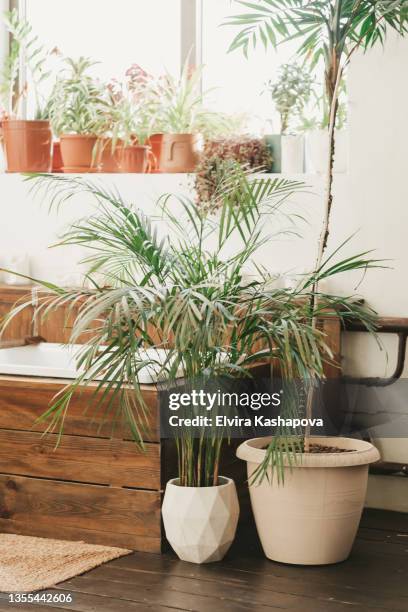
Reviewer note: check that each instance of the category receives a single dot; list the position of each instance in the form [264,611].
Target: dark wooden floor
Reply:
[374,578]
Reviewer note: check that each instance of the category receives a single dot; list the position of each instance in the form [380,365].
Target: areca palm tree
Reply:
[184,288]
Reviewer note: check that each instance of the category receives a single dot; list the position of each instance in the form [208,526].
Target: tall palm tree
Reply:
[328,30]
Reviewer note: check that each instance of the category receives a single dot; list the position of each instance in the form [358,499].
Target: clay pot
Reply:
[200,522]
[57,157]
[134,158]
[156,143]
[180,152]
[78,152]
[108,159]
[313,517]
[27,145]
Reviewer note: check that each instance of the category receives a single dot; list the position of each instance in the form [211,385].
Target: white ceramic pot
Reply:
[311,519]
[292,154]
[317,151]
[200,522]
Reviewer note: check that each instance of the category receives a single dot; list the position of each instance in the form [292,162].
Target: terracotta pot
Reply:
[156,143]
[200,522]
[27,145]
[57,157]
[108,160]
[180,152]
[134,158]
[313,517]
[78,153]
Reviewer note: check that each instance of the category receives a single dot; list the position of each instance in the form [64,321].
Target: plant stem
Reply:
[324,235]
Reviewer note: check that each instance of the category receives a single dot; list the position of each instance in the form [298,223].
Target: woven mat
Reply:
[29,564]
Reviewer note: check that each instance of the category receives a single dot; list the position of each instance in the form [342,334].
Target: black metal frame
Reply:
[386,325]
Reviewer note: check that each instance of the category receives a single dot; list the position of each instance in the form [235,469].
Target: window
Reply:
[158,34]
[238,82]
[115,33]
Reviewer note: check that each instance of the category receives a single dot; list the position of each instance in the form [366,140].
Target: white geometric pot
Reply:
[200,522]
[293,154]
[313,517]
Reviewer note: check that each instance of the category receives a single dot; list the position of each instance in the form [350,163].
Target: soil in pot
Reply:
[200,522]
[27,145]
[313,517]
[180,152]
[78,152]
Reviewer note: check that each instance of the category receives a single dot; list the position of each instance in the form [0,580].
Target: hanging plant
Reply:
[219,157]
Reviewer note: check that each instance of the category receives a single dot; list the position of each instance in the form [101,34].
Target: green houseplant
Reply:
[217,159]
[182,119]
[186,290]
[76,109]
[131,115]
[27,142]
[290,92]
[332,32]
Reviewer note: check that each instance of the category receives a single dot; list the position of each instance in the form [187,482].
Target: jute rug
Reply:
[29,564]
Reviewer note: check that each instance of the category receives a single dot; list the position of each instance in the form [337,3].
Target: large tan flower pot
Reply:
[311,519]
[200,522]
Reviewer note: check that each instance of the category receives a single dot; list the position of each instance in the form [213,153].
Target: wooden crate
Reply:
[92,487]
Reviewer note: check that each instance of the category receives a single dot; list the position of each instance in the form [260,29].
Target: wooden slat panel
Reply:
[332,329]
[47,507]
[23,400]
[142,543]
[92,460]
[21,326]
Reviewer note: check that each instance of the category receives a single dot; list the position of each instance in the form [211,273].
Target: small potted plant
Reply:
[77,112]
[290,93]
[130,115]
[27,142]
[182,118]
[219,156]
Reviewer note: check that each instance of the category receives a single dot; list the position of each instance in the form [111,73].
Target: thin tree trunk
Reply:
[324,235]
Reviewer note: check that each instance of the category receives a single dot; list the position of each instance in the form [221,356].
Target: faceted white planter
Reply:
[292,154]
[200,522]
[311,519]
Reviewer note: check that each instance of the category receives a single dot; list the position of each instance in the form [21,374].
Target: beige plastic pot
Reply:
[200,522]
[311,519]
[180,152]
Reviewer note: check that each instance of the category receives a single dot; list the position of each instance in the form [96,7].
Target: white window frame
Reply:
[191,31]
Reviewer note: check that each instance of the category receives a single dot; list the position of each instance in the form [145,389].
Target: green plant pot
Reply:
[274,143]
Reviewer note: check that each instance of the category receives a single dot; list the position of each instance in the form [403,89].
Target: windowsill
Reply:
[159,175]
